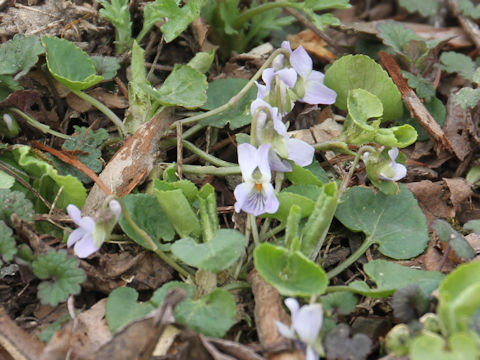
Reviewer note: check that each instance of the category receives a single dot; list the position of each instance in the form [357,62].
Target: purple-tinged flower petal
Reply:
[256,202]
[316,92]
[311,354]
[285,330]
[279,62]
[261,159]
[399,170]
[74,213]
[288,76]
[242,192]
[301,62]
[85,247]
[300,152]
[277,164]
[246,159]
[262,90]
[87,224]
[278,124]
[116,208]
[308,322]
[74,236]
[286,45]
[267,77]
[293,306]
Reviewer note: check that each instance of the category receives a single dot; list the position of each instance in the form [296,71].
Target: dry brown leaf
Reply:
[456,128]
[460,191]
[112,101]
[312,43]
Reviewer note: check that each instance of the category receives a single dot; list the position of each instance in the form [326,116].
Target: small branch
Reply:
[413,103]
[468,25]
[71,160]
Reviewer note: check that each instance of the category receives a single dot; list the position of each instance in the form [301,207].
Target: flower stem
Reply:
[251,12]
[234,100]
[206,156]
[253,225]
[102,108]
[346,180]
[272,232]
[148,240]
[339,146]
[352,258]
[211,170]
[38,125]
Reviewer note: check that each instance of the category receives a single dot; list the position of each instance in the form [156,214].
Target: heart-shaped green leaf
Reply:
[122,307]
[184,86]
[459,297]
[219,93]
[390,277]
[291,273]
[361,72]
[394,222]
[179,211]
[149,216]
[212,315]
[432,346]
[19,55]
[214,255]
[70,65]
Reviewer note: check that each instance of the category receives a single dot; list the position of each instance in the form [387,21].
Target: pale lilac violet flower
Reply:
[306,324]
[314,90]
[274,132]
[394,171]
[84,237]
[255,195]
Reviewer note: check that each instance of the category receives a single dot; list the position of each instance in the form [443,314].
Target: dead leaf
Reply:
[460,191]
[312,43]
[136,157]
[456,127]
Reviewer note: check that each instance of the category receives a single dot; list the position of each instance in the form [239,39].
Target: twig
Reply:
[71,160]
[308,24]
[470,27]
[413,103]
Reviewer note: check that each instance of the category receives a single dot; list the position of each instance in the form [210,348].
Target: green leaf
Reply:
[341,302]
[394,222]
[212,315]
[177,19]
[14,202]
[139,102]
[429,345]
[149,216]
[188,188]
[85,142]
[359,71]
[469,9]
[396,136]
[467,98]
[287,199]
[202,61]
[291,273]
[327,4]
[117,12]
[214,255]
[121,308]
[219,93]
[19,55]
[7,242]
[390,277]
[473,225]
[459,297]
[396,35]
[424,7]
[106,66]
[179,212]
[49,181]
[311,192]
[456,240]
[319,221]
[454,62]
[70,65]
[64,273]
[184,86]
[159,295]
[423,87]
